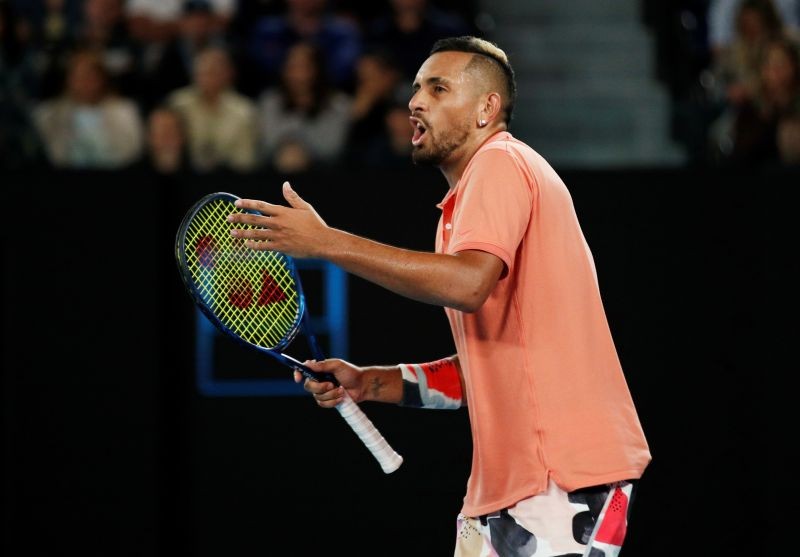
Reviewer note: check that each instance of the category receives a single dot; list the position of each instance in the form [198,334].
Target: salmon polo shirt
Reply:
[545,390]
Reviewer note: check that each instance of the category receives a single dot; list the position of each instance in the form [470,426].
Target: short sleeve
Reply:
[494,207]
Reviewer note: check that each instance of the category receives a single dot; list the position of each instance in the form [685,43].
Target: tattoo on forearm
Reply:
[376,387]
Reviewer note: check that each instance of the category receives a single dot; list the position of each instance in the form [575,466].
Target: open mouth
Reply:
[419,131]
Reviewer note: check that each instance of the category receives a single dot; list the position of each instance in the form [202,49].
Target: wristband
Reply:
[434,385]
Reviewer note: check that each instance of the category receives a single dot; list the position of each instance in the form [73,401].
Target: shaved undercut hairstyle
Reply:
[490,60]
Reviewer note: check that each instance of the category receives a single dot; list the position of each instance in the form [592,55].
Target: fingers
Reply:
[259,234]
[257,239]
[292,198]
[266,209]
[261,222]
[326,394]
[328,365]
[250,218]
[331,398]
[263,226]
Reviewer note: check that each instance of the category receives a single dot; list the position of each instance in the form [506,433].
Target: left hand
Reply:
[297,230]
[327,394]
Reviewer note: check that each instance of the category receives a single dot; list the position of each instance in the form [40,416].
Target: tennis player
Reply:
[558,447]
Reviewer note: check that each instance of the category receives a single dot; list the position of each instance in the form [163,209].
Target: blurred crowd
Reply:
[242,85]
[733,67]
[202,85]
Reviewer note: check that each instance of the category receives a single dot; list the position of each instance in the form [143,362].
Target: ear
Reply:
[490,110]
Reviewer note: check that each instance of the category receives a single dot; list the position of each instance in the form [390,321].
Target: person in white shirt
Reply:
[88,125]
[219,121]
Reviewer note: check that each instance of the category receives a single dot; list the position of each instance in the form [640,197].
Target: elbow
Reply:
[474,282]
[469,302]
[469,308]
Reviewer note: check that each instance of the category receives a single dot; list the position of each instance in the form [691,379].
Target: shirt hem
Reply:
[475,511]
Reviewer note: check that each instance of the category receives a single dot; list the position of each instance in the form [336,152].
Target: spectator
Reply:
[399,133]
[196,30]
[219,121]
[377,88]
[47,29]
[89,126]
[393,148]
[292,157]
[305,20]
[737,66]
[751,135]
[248,12]
[49,22]
[722,15]
[789,141]
[104,29]
[304,120]
[18,141]
[166,142]
[157,22]
[409,29]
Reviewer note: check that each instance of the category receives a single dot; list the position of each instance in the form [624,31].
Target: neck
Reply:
[166,160]
[305,23]
[210,98]
[454,167]
[408,20]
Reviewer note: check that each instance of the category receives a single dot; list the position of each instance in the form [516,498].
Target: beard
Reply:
[438,150]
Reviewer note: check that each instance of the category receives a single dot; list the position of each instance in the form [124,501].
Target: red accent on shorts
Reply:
[615,522]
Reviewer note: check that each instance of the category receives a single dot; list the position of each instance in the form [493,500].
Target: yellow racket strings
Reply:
[252,293]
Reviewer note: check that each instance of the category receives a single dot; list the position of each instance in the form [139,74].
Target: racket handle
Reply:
[369,435]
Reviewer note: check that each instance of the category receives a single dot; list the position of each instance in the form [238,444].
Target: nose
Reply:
[414,103]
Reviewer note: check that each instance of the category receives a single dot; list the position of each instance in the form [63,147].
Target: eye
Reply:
[439,88]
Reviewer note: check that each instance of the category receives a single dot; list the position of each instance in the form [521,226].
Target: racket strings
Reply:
[252,293]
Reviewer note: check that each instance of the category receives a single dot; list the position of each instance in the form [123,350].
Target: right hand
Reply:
[326,393]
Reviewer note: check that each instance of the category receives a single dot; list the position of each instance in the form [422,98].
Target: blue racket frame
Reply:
[333,322]
[207,323]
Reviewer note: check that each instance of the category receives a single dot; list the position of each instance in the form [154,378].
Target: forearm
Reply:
[445,280]
[461,281]
[435,385]
[382,384]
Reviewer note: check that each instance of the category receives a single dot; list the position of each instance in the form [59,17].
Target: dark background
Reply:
[109,449]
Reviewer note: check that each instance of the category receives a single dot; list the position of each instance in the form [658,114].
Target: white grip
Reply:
[369,434]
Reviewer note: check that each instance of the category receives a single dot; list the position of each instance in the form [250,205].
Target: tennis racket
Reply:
[256,298]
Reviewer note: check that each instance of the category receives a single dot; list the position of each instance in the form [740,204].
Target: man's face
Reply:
[85,81]
[443,108]
[212,73]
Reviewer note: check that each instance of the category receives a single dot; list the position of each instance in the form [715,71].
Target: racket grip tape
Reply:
[369,435]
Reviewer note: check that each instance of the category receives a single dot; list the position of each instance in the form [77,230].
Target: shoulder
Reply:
[120,111]
[51,107]
[239,103]
[505,141]
[121,103]
[502,149]
[506,159]
[181,97]
[340,102]
[508,148]
[270,94]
